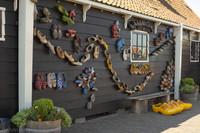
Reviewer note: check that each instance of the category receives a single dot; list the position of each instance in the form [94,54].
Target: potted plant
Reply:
[43,116]
[189,90]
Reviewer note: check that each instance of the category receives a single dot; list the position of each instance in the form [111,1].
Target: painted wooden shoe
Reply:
[62,10]
[96,52]
[64,82]
[109,64]
[125,54]
[100,39]
[59,81]
[185,105]
[34,31]
[120,44]
[77,44]
[92,39]
[89,48]
[67,19]
[69,57]
[120,86]
[105,45]
[178,108]
[47,13]
[89,105]
[54,30]
[49,80]
[107,54]
[115,79]
[51,47]
[130,92]
[44,81]
[77,63]
[92,98]
[164,109]
[53,75]
[35,12]
[60,52]
[38,81]
[59,36]
[114,73]
[42,37]
[85,58]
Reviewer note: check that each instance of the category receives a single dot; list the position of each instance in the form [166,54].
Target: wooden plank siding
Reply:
[108,97]
[189,69]
[9,63]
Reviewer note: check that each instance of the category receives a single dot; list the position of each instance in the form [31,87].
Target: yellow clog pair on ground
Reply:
[171,108]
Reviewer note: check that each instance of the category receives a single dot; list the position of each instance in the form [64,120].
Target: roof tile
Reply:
[171,10]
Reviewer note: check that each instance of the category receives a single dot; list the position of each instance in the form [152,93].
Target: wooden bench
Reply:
[140,104]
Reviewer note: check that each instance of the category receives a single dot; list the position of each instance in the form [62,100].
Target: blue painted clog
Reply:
[120,44]
[59,81]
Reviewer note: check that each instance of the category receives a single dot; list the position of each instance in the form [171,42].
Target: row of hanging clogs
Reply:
[87,80]
[171,108]
[168,78]
[163,47]
[51,80]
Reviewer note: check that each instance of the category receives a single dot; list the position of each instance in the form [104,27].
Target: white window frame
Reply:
[191,50]
[3,9]
[140,32]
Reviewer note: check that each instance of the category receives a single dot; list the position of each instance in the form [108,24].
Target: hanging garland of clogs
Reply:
[168,78]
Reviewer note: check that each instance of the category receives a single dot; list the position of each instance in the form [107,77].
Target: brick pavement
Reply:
[127,122]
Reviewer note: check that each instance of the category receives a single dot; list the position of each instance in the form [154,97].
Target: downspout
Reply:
[178,31]
[25,53]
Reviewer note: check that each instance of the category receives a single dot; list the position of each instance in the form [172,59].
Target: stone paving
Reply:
[127,122]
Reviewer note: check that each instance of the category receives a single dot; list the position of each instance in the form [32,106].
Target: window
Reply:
[139,46]
[194,51]
[2,23]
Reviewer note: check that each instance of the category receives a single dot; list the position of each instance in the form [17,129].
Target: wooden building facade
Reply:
[99,21]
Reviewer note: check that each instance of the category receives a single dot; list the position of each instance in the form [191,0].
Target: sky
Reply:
[194,5]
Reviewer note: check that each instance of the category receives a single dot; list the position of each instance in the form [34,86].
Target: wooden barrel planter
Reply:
[190,97]
[43,126]
[4,125]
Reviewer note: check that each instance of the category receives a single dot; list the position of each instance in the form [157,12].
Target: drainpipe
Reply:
[25,53]
[178,31]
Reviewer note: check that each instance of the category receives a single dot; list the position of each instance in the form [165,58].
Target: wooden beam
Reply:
[86,7]
[156,24]
[126,18]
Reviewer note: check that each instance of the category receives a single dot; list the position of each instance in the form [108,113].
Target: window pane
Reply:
[1,23]
[144,53]
[139,40]
[134,39]
[139,53]
[194,51]
[144,40]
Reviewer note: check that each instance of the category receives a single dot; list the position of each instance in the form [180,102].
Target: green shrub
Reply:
[21,118]
[188,85]
[42,110]
[189,81]
[43,107]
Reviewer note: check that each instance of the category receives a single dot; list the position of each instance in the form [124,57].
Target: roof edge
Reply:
[124,12]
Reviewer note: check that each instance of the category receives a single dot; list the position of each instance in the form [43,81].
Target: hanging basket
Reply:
[4,125]
[44,126]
